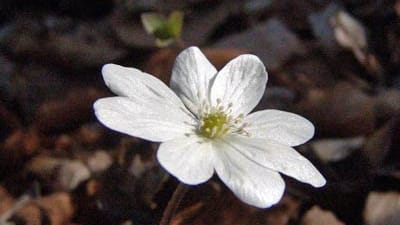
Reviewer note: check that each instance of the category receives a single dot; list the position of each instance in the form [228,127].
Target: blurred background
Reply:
[335,62]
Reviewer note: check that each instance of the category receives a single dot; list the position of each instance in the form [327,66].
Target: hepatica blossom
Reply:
[205,125]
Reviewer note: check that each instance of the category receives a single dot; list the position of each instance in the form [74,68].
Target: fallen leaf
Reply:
[78,45]
[99,161]
[350,33]
[59,114]
[381,148]
[58,174]
[332,150]
[275,43]
[318,216]
[55,209]
[382,208]
[89,134]
[352,109]
[72,173]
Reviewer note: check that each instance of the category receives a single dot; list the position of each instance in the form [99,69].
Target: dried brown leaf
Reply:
[57,173]
[99,161]
[352,109]
[382,208]
[65,113]
[381,149]
[350,33]
[56,208]
[272,41]
[83,44]
[318,216]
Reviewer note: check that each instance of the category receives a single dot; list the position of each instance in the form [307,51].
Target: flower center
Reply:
[214,125]
[217,121]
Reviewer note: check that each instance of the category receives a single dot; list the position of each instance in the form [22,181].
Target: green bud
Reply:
[165,30]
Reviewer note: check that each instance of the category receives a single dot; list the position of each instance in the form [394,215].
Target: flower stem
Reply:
[173,203]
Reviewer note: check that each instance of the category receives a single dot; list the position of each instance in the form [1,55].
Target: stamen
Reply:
[218,120]
[213,132]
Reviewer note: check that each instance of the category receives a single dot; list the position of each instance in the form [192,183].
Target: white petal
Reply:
[283,127]
[250,182]
[146,117]
[277,157]
[150,110]
[241,82]
[189,159]
[191,78]
[133,83]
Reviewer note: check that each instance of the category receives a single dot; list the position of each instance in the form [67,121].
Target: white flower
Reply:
[205,125]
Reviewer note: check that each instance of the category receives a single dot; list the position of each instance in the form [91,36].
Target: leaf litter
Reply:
[336,64]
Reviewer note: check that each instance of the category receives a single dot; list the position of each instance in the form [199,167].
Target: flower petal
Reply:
[283,127]
[146,117]
[191,78]
[189,159]
[276,156]
[149,109]
[133,83]
[250,182]
[241,82]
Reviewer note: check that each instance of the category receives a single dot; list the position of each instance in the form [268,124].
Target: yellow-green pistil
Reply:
[214,125]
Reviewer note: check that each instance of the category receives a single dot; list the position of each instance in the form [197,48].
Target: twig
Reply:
[173,203]
[19,204]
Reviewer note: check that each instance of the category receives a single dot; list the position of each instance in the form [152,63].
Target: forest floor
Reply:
[336,63]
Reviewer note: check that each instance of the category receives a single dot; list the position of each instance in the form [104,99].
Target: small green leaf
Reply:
[152,22]
[175,23]
[166,31]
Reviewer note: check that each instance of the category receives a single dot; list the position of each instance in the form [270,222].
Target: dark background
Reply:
[75,171]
